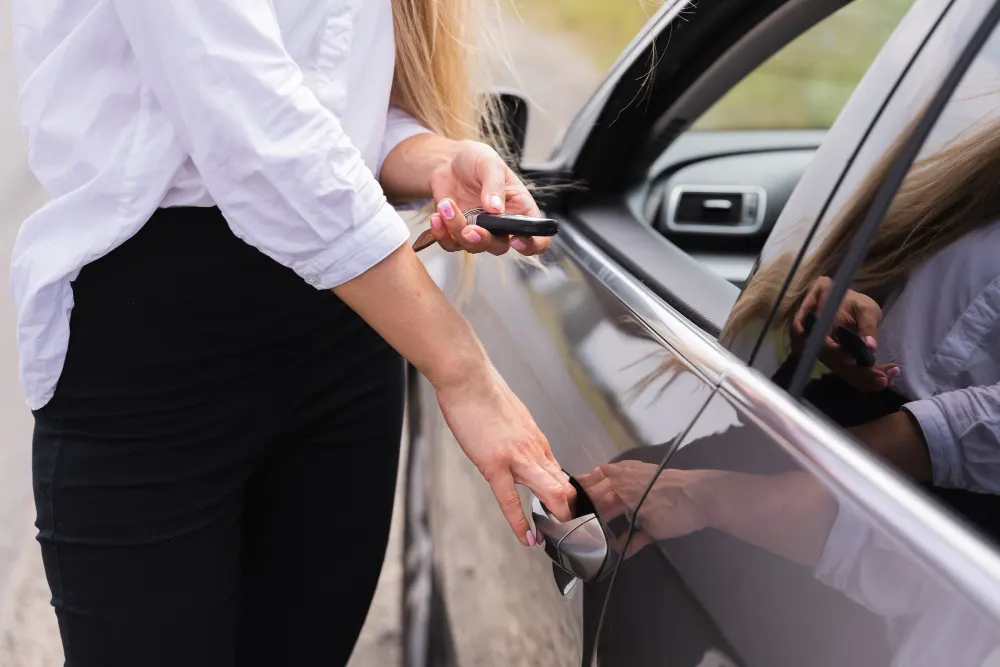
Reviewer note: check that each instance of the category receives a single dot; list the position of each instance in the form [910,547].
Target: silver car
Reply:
[733,510]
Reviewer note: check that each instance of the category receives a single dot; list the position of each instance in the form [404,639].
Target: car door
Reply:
[806,543]
[585,339]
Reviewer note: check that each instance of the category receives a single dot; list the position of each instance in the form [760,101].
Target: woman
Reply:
[217,431]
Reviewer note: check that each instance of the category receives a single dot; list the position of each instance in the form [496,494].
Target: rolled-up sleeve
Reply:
[276,161]
[399,126]
[962,431]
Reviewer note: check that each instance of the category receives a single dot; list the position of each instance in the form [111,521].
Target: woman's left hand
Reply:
[478,178]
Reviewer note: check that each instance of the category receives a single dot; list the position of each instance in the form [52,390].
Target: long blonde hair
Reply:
[440,75]
[944,197]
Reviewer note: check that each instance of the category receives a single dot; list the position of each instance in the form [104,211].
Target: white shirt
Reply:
[276,112]
[943,327]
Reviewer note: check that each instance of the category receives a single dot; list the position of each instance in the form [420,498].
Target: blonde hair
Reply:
[440,76]
[944,197]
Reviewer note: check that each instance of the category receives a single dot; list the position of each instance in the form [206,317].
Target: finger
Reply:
[475,239]
[607,502]
[530,245]
[504,491]
[589,479]
[441,235]
[554,493]
[499,245]
[640,540]
[868,318]
[463,236]
[492,173]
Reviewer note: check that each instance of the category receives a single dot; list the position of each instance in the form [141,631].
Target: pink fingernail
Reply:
[471,235]
[870,342]
[518,244]
[531,539]
[436,223]
[446,210]
[893,373]
[496,203]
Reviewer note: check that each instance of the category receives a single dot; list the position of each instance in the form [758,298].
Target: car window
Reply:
[808,82]
[720,187]
[911,367]
[558,52]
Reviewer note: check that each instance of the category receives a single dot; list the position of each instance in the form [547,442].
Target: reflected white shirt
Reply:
[278,113]
[943,327]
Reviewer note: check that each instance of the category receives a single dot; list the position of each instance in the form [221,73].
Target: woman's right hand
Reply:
[857,312]
[498,434]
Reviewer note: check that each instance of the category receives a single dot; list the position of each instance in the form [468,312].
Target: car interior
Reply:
[710,176]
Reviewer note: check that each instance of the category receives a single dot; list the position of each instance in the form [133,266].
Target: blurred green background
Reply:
[804,85]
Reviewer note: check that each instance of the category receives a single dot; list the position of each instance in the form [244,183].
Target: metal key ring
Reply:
[473,211]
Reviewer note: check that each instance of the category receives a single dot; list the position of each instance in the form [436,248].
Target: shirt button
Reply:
[312,280]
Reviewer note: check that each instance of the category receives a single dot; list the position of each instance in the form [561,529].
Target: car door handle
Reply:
[580,546]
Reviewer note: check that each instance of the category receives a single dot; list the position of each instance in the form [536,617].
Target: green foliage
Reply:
[805,85]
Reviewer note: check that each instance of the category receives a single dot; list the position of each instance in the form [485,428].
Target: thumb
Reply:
[492,173]
[868,317]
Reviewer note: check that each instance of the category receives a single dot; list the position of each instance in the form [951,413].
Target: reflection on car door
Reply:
[808,548]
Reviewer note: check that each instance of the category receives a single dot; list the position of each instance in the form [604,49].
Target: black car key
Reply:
[515,225]
[847,339]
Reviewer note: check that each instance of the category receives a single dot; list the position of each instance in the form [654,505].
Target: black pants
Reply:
[214,477]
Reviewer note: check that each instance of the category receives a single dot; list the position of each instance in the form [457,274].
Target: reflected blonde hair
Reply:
[944,197]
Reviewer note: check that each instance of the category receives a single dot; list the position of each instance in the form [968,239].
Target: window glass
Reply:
[807,83]
[559,51]
[718,190]
[912,366]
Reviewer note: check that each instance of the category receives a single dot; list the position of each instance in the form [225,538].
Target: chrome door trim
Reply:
[691,345]
[951,549]
[945,544]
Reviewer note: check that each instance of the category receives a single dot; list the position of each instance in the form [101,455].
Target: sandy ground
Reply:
[557,83]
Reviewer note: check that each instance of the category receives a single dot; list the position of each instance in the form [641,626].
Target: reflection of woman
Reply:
[216,431]
[933,269]
[791,515]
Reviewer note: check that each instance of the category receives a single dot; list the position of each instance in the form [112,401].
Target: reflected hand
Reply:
[500,437]
[477,177]
[857,312]
[677,505]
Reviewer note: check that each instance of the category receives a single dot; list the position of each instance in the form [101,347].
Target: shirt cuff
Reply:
[844,545]
[946,461]
[352,255]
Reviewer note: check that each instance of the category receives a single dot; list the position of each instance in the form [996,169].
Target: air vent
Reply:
[713,209]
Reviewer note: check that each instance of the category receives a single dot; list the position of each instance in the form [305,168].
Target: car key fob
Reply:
[856,347]
[515,225]
[847,339]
